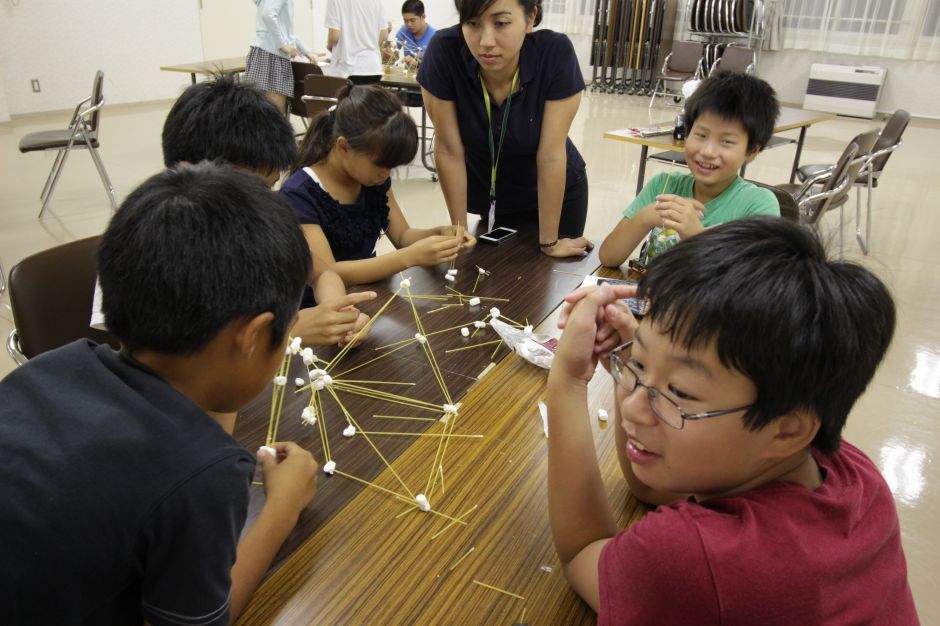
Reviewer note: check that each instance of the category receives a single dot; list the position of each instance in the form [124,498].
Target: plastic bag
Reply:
[536,349]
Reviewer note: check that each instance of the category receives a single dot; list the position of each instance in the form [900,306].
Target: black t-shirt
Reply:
[548,70]
[122,500]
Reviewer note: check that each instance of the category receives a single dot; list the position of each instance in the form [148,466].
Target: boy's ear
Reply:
[794,431]
[753,153]
[254,332]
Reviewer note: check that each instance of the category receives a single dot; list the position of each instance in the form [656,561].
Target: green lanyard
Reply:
[494,151]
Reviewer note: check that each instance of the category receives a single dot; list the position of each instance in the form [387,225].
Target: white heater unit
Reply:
[844,89]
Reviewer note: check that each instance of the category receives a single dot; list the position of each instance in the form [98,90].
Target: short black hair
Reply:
[415,7]
[221,120]
[470,9]
[372,120]
[807,331]
[736,97]
[193,249]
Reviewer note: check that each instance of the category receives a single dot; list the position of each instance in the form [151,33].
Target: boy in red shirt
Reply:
[731,395]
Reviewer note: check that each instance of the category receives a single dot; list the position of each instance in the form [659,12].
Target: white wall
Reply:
[63,42]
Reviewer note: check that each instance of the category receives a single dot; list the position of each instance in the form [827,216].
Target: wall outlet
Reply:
[35,85]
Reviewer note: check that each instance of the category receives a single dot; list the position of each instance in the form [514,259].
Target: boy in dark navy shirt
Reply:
[124,499]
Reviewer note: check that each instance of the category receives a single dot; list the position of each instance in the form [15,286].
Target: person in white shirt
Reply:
[357,30]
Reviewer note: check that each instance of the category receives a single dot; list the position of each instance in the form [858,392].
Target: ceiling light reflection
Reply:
[925,378]
[903,469]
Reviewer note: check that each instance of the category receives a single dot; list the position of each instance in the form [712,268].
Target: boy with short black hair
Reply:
[413,38]
[728,120]
[125,497]
[730,395]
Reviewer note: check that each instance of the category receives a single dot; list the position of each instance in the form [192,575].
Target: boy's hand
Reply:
[433,250]
[683,215]
[576,356]
[290,480]
[616,323]
[329,322]
[360,323]
[564,248]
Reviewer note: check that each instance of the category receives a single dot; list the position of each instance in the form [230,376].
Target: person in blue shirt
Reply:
[413,38]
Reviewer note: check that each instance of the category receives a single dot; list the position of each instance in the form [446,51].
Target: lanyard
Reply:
[494,151]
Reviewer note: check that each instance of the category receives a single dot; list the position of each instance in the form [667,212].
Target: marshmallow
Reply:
[308,417]
[480,324]
[405,283]
[450,278]
[318,384]
[528,329]
[452,272]
[420,338]
[308,359]
[349,431]
[423,503]
[481,271]
[450,409]
[268,450]
[327,379]
[602,415]
[465,331]
[329,467]
[280,381]
[287,349]
[494,313]
[295,345]
[474,302]
[299,382]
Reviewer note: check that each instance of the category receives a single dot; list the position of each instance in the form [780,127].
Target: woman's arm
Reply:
[448,155]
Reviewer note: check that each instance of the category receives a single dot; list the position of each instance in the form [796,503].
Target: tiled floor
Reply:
[893,422]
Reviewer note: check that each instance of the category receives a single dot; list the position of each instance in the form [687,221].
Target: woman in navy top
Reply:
[500,94]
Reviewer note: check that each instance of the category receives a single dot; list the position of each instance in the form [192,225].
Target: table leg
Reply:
[192,76]
[641,174]
[424,141]
[799,151]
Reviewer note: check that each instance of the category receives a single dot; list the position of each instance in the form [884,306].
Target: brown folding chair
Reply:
[735,59]
[680,65]
[82,132]
[888,141]
[301,71]
[788,207]
[320,93]
[51,295]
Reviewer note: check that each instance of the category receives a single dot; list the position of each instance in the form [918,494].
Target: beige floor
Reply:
[892,422]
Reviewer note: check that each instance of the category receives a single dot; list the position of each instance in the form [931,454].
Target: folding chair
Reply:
[82,132]
[735,59]
[301,71]
[681,64]
[888,141]
[51,296]
[320,93]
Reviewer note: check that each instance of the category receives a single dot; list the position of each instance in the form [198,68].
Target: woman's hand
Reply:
[562,248]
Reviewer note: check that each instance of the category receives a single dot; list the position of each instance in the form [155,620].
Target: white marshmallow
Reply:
[465,331]
[308,359]
[528,329]
[481,271]
[474,302]
[494,313]
[280,381]
[452,272]
[349,431]
[423,503]
[299,382]
[449,409]
[602,415]
[405,283]
[295,345]
[327,379]
[480,324]
[420,338]
[450,278]
[308,416]
[268,450]
[318,384]
[329,467]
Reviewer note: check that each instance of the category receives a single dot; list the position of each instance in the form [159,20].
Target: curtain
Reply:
[572,17]
[898,29]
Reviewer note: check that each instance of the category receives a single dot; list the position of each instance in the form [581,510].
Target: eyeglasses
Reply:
[665,408]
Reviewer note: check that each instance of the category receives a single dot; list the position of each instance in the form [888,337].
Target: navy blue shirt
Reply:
[548,70]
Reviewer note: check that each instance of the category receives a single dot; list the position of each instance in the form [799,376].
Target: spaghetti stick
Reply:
[474,290]
[401,434]
[569,273]
[430,334]
[495,350]
[374,382]
[492,588]
[666,182]
[406,417]
[441,468]
[367,483]
[353,369]
[460,560]
[476,345]
[379,395]
[441,531]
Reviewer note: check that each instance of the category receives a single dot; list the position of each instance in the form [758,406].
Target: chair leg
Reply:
[3,279]
[101,171]
[863,243]
[55,180]
[655,92]
[52,171]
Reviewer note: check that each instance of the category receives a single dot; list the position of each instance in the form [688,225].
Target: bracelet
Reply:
[550,244]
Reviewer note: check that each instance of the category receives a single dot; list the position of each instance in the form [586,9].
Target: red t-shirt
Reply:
[779,554]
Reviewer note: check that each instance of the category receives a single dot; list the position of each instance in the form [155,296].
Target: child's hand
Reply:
[576,357]
[467,240]
[290,480]
[360,323]
[616,323]
[433,250]
[329,322]
[683,215]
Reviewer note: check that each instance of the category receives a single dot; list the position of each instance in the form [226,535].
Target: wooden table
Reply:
[232,65]
[360,555]
[790,118]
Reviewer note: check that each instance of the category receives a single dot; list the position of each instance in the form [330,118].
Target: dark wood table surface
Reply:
[359,555]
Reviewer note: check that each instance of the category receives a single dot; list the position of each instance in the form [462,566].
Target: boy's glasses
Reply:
[665,408]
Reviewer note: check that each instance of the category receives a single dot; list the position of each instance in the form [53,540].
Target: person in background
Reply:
[413,38]
[274,45]
[356,31]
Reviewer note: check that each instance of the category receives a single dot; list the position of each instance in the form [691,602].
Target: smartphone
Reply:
[498,235]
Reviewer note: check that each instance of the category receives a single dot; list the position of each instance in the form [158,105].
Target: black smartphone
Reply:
[497,235]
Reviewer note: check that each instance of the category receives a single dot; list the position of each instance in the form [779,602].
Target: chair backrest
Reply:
[321,92]
[97,95]
[735,59]
[301,71]
[788,207]
[51,296]
[835,189]
[890,136]
[685,56]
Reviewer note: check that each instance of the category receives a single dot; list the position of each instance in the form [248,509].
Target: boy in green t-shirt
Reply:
[729,120]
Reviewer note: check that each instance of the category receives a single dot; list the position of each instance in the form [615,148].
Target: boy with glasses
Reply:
[731,396]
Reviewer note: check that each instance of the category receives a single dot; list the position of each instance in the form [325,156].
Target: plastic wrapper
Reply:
[536,349]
